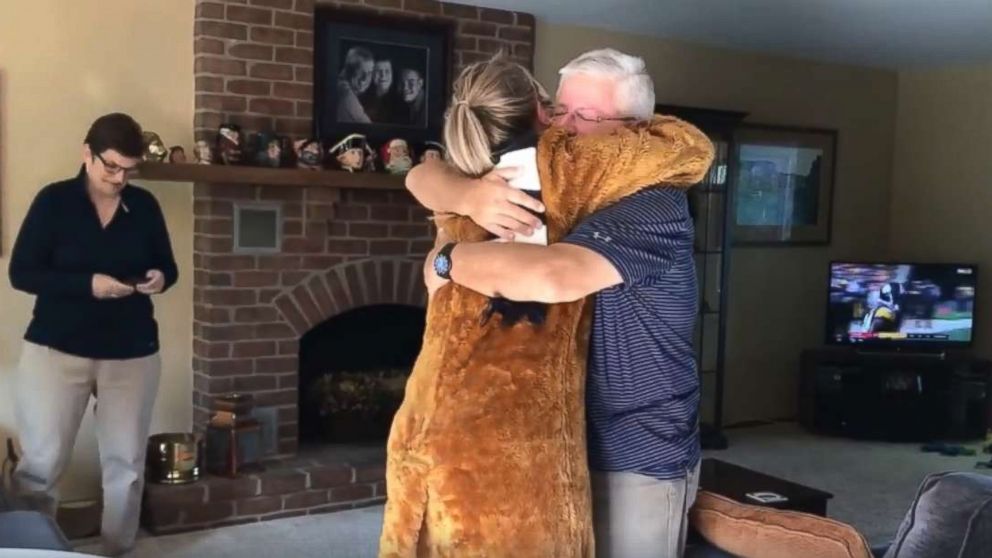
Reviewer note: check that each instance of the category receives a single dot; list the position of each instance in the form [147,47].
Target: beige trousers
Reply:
[636,516]
[53,390]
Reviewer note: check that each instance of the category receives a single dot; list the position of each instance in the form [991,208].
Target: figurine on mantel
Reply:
[309,154]
[229,144]
[203,153]
[154,149]
[432,151]
[177,154]
[396,156]
[353,154]
[268,149]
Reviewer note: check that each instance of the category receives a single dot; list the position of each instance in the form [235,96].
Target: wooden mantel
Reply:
[230,174]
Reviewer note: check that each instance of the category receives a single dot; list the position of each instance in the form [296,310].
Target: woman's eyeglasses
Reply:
[113,169]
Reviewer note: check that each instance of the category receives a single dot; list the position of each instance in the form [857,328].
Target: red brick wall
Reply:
[341,248]
[254,58]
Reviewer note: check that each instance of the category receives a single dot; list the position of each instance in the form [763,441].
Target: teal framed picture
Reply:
[783,185]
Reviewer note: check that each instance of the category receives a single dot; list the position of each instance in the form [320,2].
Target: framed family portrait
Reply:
[783,185]
[381,76]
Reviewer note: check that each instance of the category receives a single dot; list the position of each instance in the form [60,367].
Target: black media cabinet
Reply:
[895,396]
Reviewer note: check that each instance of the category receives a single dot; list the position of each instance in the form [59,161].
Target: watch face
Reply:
[442,265]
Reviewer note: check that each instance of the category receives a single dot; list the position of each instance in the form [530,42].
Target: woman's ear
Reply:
[543,113]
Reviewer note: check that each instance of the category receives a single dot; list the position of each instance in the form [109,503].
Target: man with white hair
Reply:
[636,256]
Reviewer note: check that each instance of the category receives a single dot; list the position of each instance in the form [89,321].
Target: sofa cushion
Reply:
[751,531]
[30,529]
[951,516]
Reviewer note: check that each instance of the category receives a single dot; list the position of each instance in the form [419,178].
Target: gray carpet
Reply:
[346,534]
[873,484]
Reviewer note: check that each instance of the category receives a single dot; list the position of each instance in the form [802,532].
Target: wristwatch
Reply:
[442,261]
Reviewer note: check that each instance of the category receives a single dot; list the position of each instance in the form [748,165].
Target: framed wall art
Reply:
[783,185]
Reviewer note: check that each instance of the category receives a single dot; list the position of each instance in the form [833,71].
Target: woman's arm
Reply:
[30,263]
[161,246]
[489,201]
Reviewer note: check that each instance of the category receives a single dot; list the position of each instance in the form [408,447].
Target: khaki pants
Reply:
[53,390]
[636,516]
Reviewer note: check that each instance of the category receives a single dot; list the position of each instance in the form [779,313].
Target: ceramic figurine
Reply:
[309,154]
[177,154]
[230,144]
[432,151]
[268,150]
[353,154]
[396,156]
[154,148]
[203,153]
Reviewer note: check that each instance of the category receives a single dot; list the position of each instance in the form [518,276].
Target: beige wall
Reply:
[777,294]
[942,174]
[62,64]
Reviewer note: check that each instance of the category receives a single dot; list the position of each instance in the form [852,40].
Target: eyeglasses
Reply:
[113,169]
[588,115]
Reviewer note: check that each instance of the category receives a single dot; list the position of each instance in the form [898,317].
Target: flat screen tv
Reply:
[897,305]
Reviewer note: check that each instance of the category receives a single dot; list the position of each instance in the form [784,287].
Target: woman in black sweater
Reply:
[93,249]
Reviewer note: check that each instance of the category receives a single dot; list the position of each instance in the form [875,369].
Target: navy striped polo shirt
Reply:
[642,396]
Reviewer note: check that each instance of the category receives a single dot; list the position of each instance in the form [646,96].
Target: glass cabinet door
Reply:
[708,207]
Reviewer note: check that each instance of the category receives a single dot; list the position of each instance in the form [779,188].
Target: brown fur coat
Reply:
[487,454]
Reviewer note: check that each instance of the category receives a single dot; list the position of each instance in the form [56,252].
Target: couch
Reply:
[28,529]
[950,516]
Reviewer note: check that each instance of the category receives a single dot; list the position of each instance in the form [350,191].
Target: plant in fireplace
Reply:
[358,406]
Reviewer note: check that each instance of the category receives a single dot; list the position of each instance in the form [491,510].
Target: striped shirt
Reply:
[642,396]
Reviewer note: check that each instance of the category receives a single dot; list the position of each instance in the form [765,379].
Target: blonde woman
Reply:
[487,454]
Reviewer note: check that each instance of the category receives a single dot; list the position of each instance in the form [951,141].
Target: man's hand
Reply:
[156,280]
[106,287]
[500,208]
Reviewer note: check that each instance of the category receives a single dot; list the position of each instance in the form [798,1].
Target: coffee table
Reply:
[734,481]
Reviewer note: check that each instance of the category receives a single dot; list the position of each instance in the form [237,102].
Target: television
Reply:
[897,305]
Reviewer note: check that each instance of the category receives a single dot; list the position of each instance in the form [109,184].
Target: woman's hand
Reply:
[106,287]
[500,208]
[156,280]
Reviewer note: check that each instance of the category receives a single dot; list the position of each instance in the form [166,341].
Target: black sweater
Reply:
[61,245]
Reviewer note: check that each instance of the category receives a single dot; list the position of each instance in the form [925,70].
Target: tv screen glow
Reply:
[896,304]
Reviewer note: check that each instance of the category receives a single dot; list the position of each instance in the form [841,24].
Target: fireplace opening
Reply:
[353,370]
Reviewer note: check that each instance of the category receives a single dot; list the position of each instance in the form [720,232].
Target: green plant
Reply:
[368,395]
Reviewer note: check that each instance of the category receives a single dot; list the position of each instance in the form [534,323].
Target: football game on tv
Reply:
[896,304]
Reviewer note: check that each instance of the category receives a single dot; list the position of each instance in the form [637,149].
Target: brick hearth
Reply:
[332,479]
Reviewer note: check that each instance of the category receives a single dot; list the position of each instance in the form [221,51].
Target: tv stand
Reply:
[900,353]
[895,396]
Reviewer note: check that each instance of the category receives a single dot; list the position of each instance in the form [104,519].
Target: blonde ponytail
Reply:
[491,102]
[468,144]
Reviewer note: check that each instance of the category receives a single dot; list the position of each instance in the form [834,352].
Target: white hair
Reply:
[635,89]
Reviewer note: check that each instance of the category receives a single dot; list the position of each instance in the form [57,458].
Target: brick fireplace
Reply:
[346,242]
[341,248]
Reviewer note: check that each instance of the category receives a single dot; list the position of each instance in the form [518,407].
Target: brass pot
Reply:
[173,458]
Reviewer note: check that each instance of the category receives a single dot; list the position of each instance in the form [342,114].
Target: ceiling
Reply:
[876,33]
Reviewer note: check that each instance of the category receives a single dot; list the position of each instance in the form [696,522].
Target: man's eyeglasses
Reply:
[588,115]
[113,169]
